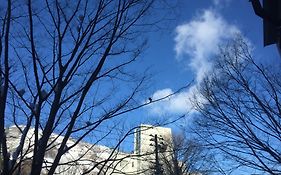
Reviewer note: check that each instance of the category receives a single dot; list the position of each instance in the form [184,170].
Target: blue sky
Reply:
[184,51]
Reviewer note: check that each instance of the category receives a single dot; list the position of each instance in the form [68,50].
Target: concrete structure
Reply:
[149,141]
[85,157]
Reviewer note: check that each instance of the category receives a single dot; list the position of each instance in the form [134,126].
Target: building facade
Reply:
[151,144]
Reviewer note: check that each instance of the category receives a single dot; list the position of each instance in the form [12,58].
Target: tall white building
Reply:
[150,141]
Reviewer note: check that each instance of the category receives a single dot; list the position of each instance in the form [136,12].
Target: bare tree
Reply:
[240,113]
[64,68]
[187,157]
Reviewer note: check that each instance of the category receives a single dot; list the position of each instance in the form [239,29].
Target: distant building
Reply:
[94,158]
[145,146]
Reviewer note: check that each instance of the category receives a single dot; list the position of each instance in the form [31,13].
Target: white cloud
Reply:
[200,39]
[180,103]
[176,103]
[195,42]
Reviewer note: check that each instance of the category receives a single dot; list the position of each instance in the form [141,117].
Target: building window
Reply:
[133,164]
